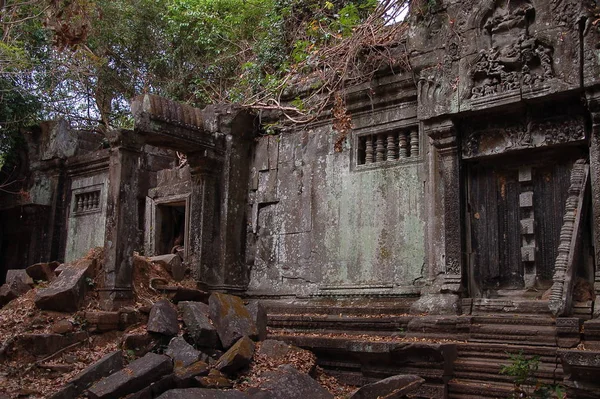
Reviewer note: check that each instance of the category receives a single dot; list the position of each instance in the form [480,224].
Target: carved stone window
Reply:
[86,202]
[387,147]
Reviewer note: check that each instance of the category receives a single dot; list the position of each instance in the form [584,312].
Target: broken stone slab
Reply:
[200,328]
[201,393]
[47,344]
[101,321]
[156,388]
[172,263]
[12,290]
[259,316]
[182,353]
[394,387]
[102,368]
[136,376]
[139,344]
[20,274]
[437,304]
[288,383]
[42,271]
[280,352]
[184,375]
[231,318]
[67,291]
[237,357]
[214,380]
[163,318]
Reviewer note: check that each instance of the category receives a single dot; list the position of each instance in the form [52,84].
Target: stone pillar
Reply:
[205,210]
[593,99]
[444,222]
[122,219]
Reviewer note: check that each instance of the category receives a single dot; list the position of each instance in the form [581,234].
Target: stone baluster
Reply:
[79,206]
[86,201]
[414,143]
[391,147]
[369,150]
[380,149]
[402,145]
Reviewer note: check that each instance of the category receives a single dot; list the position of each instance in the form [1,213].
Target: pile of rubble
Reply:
[175,341]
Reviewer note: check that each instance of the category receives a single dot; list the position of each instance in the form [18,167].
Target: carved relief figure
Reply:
[510,63]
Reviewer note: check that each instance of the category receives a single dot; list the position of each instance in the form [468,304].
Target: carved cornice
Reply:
[443,134]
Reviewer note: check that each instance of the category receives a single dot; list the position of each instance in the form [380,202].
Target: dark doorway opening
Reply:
[170,223]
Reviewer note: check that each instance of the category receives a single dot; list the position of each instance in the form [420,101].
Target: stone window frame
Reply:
[385,130]
[99,188]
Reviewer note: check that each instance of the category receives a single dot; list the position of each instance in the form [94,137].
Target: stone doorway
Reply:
[168,222]
[514,217]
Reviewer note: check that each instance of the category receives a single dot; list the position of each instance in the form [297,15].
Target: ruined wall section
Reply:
[323,222]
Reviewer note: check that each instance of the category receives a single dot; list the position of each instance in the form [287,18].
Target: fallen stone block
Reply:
[237,357]
[231,318]
[66,293]
[129,317]
[62,327]
[42,271]
[214,380]
[196,319]
[201,393]
[182,353]
[156,388]
[47,344]
[280,352]
[259,316]
[139,344]
[102,368]
[20,274]
[136,376]
[12,290]
[184,375]
[394,387]
[100,321]
[172,263]
[288,383]
[163,318]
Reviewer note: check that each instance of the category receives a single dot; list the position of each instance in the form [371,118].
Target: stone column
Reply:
[444,222]
[205,211]
[122,219]
[593,99]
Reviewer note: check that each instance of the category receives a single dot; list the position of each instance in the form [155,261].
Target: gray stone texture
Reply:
[134,377]
[20,274]
[199,326]
[395,387]
[288,383]
[12,290]
[231,318]
[182,353]
[237,357]
[163,318]
[201,393]
[66,293]
[259,316]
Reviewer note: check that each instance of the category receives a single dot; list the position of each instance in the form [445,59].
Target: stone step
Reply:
[485,370]
[346,322]
[499,306]
[346,307]
[467,389]
[513,319]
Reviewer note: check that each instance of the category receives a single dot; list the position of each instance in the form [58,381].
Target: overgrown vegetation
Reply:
[85,59]
[526,384]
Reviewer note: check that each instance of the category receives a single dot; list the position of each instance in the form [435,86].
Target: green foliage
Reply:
[523,370]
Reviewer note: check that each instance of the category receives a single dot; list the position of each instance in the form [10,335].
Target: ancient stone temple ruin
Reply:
[463,207]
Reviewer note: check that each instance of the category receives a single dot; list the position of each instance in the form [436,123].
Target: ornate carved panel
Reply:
[501,137]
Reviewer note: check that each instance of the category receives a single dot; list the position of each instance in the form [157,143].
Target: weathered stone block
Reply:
[214,380]
[259,316]
[163,318]
[199,326]
[140,344]
[137,375]
[231,318]
[394,387]
[182,353]
[527,226]
[526,199]
[12,290]
[102,321]
[237,357]
[42,271]
[172,263]
[288,383]
[201,393]
[280,352]
[46,344]
[102,368]
[20,274]
[62,327]
[66,293]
